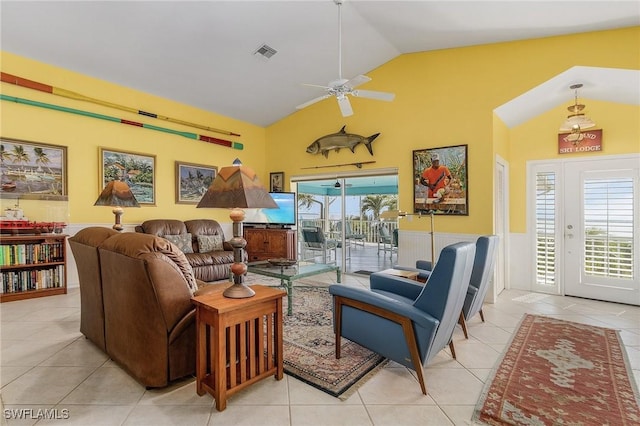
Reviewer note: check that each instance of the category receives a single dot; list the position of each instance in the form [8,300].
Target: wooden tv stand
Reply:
[270,243]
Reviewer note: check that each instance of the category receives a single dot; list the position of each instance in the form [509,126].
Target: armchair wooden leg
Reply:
[481,315]
[413,348]
[337,308]
[405,322]
[463,323]
[453,349]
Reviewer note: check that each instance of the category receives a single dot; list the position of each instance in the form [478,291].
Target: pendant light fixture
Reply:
[576,122]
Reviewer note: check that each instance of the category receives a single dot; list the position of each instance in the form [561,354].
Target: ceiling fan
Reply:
[337,184]
[340,88]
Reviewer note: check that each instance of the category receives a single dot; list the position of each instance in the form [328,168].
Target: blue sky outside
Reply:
[608,205]
[352,208]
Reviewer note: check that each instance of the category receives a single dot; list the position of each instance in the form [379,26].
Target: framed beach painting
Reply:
[136,169]
[192,181]
[440,181]
[32,169]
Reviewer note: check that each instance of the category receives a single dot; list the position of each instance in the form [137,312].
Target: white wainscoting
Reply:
[416,245]
[521,274]
[412,246]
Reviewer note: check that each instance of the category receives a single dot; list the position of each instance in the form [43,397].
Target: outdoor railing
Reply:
[370,229]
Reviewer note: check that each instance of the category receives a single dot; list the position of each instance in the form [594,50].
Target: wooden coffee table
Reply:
[412,275]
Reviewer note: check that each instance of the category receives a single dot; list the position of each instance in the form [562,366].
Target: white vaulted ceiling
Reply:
[201,53]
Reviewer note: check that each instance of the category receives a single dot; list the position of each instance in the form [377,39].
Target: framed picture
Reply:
[276,180]
[440,181]
[32,169]
[192,181]
[138,170]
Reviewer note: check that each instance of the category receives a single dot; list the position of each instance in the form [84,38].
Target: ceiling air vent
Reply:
[265,51]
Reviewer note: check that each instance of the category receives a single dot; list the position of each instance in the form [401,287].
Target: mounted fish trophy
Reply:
[339,140]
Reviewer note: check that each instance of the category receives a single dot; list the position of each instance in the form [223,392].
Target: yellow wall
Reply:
[443,98]
[83,136]
[537,139]
[446,98]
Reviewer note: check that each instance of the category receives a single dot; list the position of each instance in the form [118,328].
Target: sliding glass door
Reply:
[347,208]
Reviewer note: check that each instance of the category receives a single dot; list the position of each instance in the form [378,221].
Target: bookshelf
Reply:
[32,266]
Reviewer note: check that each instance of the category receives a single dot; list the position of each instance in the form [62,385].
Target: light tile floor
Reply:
[45,363]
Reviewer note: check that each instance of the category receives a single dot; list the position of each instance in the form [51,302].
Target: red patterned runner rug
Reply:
[557,372]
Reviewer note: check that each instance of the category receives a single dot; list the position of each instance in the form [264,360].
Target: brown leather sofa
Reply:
[147,285]
[207,266]
[84,246]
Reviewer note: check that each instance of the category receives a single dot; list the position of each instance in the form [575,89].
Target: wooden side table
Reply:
[412,275]
[238,341]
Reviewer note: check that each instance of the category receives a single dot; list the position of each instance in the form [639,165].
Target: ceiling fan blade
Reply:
[357,81]
[345,106]
[312,101]
[316,85]
[371,94]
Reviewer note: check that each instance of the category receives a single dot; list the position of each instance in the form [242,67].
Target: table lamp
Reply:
[118,195]
[237,187]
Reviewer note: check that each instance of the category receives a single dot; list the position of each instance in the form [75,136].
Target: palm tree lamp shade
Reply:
[237,187]
[118,195]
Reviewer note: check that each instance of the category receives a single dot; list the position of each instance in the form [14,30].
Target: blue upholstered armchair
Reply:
[483,266]
[401,319]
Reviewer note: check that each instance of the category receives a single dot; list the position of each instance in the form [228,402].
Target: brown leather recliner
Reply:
[207,266]
[149,318]
[84,246]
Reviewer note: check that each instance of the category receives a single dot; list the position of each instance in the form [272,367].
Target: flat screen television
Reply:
[285,215]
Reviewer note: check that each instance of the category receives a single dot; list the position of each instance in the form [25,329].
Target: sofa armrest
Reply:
[398,285]
[421,318]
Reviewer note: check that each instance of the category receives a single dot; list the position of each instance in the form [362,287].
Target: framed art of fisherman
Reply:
[440,181]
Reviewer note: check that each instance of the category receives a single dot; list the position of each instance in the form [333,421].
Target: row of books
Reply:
[18,281]
[27,254]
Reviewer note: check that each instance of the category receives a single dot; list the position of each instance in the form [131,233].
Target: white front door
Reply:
[601,229]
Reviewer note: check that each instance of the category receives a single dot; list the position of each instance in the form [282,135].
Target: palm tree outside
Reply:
[376,204]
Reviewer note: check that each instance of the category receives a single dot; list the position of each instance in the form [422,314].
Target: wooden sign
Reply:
[587,141]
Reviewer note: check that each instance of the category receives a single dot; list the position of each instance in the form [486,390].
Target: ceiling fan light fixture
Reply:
[576,121]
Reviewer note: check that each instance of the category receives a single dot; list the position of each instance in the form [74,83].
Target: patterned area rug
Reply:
[557,372]
[309,347]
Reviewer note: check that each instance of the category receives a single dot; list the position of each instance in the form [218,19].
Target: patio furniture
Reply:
[387,242]
[314,242]
[350,236]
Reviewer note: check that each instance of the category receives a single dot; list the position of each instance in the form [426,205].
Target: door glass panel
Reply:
[546,229]
[608,228]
